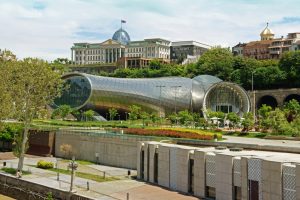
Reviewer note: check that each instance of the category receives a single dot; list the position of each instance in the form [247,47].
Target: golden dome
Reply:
[267,33]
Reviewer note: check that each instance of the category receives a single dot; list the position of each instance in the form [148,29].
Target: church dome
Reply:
[267,33]
[121,36]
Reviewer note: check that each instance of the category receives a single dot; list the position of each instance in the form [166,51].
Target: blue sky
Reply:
[48,28]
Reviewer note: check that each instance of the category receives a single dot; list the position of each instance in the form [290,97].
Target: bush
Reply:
[174,133]
[8,132]
[44,164]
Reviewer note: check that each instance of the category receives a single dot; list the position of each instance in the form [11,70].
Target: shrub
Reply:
[44,164]
[174,133]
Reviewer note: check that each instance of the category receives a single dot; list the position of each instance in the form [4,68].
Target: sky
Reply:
[47,29]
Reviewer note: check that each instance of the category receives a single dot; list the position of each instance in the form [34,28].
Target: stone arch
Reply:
[268,100]
[290,97]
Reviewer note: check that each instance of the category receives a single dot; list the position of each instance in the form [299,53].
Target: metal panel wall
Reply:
[254,172]
[289,181]
[210,166]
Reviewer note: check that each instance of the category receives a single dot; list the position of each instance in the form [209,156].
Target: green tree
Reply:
[61,65]
[278,121]
[264,117]
[145,118]
[233,118]
[292,110]
[6,98]
[173,118]
[203,123]
[154,117]
[134,113]
[88,115]
[112,113]
[62,111]
[290,64]
[248,121]
[34,85]
[185,117]
[217,62]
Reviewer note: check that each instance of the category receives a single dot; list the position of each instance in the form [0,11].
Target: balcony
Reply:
[276,52]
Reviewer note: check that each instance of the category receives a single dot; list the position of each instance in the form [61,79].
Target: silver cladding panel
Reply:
[121,93]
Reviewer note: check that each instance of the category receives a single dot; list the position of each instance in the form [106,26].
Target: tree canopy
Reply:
[220,62]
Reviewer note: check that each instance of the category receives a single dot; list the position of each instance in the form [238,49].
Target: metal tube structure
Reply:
[199,94]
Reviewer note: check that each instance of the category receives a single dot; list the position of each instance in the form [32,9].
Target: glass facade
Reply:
[77,92]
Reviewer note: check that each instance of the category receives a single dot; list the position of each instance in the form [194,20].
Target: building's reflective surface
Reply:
[161,95]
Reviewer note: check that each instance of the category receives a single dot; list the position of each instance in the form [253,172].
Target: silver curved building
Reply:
[162,95]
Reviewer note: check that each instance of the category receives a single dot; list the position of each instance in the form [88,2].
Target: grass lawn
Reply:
[247,134]
[85,175]
[13,171]
[81,162]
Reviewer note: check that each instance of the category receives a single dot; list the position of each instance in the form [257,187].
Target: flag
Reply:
[123,21]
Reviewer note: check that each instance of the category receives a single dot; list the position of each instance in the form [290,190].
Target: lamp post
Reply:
[175,95]
[73,165]
[253,93]
[160,109]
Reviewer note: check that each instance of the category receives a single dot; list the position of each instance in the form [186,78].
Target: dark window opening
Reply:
[210,192]
[253,190]
[191,176]
[155,168]
[142,164]
[237,192]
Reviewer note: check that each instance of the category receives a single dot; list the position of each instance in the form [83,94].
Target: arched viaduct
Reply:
[274,98]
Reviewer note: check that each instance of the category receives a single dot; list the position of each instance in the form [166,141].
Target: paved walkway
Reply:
[258,141]
[110,190]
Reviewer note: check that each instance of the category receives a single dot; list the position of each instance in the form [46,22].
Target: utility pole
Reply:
[160,108]
[175,95]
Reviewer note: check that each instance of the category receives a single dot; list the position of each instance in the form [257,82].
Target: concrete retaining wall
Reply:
[111,149]
[21,189]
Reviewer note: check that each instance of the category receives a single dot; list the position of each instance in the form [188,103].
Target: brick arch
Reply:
[267,99]
[292,96]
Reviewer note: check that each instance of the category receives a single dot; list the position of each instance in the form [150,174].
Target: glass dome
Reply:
[121,36]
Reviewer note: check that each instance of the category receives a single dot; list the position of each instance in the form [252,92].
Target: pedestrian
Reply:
[19,174]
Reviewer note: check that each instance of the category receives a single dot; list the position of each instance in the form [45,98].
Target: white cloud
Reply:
[47,29]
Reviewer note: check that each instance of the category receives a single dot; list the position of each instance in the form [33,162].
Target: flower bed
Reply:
[173,133]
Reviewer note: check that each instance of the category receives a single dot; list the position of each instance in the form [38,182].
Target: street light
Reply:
[175,95]
[253,93]
[73,165]
[160,108]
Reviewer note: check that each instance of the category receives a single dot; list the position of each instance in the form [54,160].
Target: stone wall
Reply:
[22,189]
[103,148]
